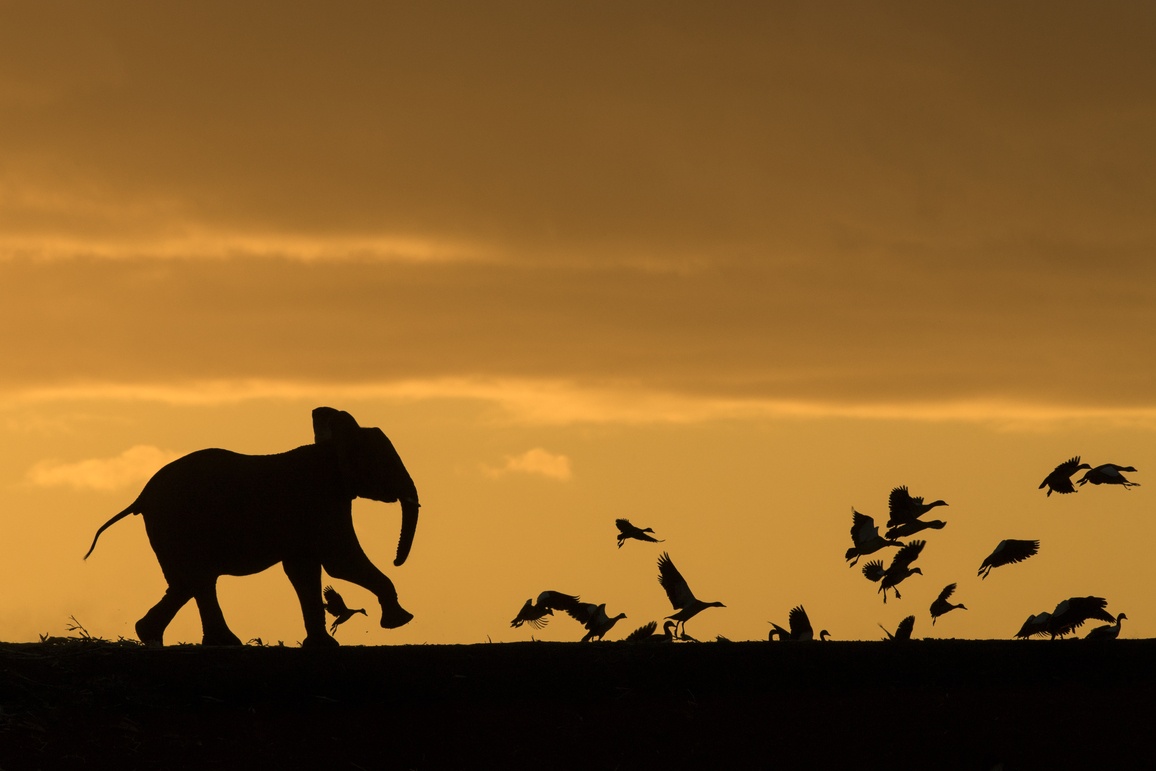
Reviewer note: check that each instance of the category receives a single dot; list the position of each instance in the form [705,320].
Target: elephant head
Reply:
[370,468]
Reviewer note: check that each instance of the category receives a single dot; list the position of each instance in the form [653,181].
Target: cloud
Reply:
[535,461]
[135,464]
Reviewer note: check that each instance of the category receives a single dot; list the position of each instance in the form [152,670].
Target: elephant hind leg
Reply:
[151,628]
[213,627]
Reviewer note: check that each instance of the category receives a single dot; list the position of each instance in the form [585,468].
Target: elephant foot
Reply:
[149,634]
[220,638]
[320,641]
[394,617]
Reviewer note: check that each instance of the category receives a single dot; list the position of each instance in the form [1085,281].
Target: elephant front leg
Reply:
[350,564]
[305,575]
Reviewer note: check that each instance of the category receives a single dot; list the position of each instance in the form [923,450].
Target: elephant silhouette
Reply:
[216,512]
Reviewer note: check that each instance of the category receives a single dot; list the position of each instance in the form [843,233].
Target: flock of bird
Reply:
[597,622]
[906,518]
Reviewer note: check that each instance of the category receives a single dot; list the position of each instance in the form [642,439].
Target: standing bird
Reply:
[800,627]
[1060,480]
[1108,474]
[899,569]
[338,609]
[686,605]
[865,537]
[594,618]
[627,530]
[943,604]
[548,602]
[903,631]
[1109,632]
[1008,552]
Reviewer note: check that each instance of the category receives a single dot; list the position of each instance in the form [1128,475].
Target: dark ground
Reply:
[922,705]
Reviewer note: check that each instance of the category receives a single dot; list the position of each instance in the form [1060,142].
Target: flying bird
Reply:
[1008,552]
[627,530]
[338,609]
[1108,474]
[914,526]
[943,603]
[904,508]
[594,618]
[1109,632]
[548,602]
[903,631]
[865,537]
[800,627]
[899,569]
[686,605]
[1060,480]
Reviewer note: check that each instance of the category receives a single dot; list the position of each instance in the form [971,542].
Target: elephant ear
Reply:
[330,424]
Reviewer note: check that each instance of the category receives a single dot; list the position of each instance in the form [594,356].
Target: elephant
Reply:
[215,512]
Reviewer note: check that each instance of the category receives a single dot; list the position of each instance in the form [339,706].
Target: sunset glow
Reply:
[725,271]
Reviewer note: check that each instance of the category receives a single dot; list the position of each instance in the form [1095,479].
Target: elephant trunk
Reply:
[409,509]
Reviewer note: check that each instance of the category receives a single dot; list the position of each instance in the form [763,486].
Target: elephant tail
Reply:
[105,526]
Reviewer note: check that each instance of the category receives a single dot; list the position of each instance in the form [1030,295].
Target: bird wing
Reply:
[862,527]
[800,624]
[624,526]
[906,555]
[1068,467]
[333,602]
[946,593]
[905,628]
[582,612]
[874,570]
[535,616]
[899,504]
[1011,550]
[1037,624]
[558,600]
[643,632]
[677,591]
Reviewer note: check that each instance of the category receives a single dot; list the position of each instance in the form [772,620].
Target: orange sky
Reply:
[728,272]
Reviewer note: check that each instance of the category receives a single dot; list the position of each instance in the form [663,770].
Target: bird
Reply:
[338,609]
[1008,552]
[1060,480]
[904,508]
[594,618]
[1035,625]
[627,530]
[903,631]
[942,603]
[899,569]
[647,632]
[914,526]
[1109,632]
[1071,614]
[800,627]
[1068,615]
[685,604]
[865,537]
[1108,474]
[548,602]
